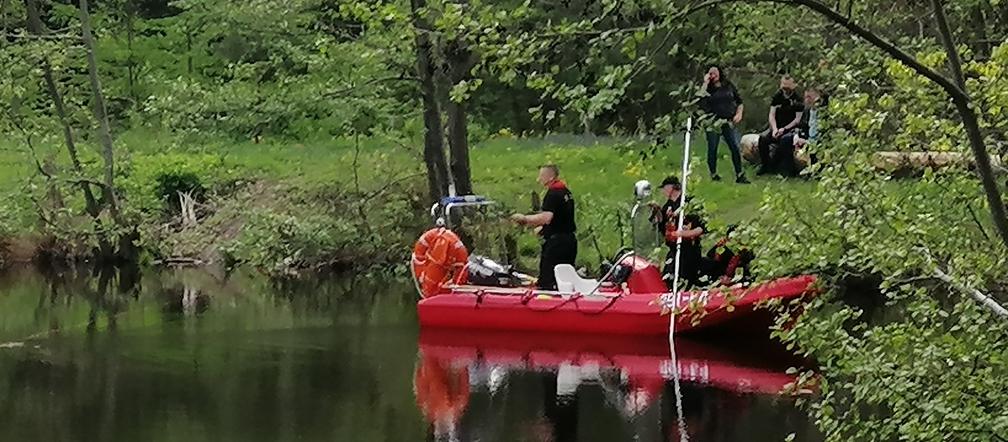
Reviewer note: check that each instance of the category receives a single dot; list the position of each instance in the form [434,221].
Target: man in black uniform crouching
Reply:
[555,222]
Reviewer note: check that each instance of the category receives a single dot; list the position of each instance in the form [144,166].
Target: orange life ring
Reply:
[437,256]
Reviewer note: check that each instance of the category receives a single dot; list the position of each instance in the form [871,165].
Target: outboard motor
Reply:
[487,272]
[644,276]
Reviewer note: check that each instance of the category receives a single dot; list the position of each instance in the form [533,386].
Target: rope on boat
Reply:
[674,296]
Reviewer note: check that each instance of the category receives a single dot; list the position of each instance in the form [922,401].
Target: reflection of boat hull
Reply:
[645,361]
[630,314]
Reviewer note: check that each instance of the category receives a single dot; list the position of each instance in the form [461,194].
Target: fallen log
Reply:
[914,163]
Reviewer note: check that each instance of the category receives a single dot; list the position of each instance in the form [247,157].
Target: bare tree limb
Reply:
[954,62]
[886,46]
[976,220]
[979,296]
[101,114]
[916,279]
[35,26]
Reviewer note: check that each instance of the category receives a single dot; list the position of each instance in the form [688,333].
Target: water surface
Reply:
[185,355]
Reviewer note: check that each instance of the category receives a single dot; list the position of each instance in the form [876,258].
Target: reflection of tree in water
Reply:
[276,382]
[106,289]
[183,300]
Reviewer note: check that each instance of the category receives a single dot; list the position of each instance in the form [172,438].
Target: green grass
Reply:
[600,171]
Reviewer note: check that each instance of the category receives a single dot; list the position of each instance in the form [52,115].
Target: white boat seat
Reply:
[568,280]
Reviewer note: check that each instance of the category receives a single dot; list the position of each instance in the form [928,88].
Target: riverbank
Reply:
[288,207]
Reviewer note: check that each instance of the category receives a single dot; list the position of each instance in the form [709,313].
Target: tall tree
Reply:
[457,63]
[434,151]
[126,235]
[92,206]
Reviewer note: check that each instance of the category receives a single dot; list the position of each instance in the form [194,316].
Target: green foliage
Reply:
[326,228]
[905,356]
[153,180]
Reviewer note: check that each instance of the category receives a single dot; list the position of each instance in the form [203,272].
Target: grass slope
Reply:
[600,172]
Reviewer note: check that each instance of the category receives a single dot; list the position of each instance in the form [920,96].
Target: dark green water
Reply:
[189,356]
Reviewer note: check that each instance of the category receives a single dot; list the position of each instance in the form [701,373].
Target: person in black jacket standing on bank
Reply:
[557,227]
[719,98]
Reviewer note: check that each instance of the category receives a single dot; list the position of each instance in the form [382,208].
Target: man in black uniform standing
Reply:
[556,225]
[666,220]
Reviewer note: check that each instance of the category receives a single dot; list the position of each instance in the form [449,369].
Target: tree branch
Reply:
[915,280]
[347,90]
[886,46]
[954,62]
[101,114]
[976,220]
[979,296]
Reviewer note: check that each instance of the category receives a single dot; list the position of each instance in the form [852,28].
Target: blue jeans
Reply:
[732,137]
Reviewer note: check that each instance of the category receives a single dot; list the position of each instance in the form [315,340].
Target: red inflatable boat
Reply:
[633,307]
[473,292]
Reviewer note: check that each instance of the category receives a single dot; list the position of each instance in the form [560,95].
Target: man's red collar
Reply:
[557,185]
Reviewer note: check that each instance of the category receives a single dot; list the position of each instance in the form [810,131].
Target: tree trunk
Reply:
[36,27]
[982,45]
[91,204]
[189,65]
[108,152]
[458,142]
[127,249]
[968,115]
[434,152]
[131,61]
[459,61]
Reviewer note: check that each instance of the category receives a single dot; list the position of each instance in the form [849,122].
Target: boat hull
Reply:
[630,314]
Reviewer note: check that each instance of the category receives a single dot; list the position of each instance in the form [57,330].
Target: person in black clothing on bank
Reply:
[719,98]
[666,221]
[807,130]
[785,115]
[555,221]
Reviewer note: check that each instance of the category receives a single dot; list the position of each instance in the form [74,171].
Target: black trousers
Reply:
[784,155]
[690,267]
[559,248]
[766,142]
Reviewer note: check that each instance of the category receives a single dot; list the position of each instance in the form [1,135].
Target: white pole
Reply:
[683,435]
[682,209]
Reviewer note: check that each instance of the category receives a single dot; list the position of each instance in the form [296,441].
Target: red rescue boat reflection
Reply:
[632,372]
